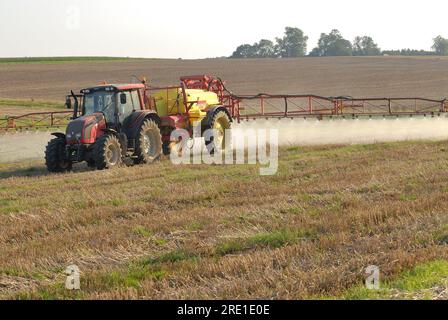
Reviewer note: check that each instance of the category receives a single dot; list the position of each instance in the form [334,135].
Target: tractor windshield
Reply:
[100,102]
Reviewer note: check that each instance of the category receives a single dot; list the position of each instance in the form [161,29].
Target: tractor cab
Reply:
[103,107]
[109,126]
[115,102]
[98,100]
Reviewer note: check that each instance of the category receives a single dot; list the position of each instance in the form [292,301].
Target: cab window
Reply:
[135,100]
[100,102]
[124,110]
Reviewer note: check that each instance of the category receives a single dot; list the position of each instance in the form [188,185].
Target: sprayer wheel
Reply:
[220,124]
[149,143]
[54,156]
[107,152]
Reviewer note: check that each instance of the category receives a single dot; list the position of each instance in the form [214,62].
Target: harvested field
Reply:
[166,231]
[224,231]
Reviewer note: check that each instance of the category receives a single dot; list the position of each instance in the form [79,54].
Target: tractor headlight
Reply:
[78,136]
[69,135]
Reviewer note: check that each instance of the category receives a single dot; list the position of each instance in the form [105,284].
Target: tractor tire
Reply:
[220,122]
[149,145]
[107,152]
[54,156]
[91,163]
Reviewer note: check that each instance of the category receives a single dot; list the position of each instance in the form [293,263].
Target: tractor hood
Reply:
[85,129]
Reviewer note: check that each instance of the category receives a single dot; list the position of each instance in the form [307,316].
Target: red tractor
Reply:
[113,127]
[132,123]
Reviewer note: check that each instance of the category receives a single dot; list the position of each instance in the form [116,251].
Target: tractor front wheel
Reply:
[149,143]
[54,156]
[107,152]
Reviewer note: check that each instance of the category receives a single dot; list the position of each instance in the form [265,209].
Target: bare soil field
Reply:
[354,76]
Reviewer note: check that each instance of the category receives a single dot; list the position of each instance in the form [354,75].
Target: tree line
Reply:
[294,44]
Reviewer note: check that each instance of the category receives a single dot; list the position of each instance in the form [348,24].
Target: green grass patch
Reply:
[60,59]
[160,242]
[13,272]
[16,272]
[130,277]
[408,197]
[408,283]
[12,169]
[198,225]
[142,231]
[30,103]
[84,204]
[53,292]
[346,150]
[293,149]
[8,206]
[292,210]
[276,239]
[116,202]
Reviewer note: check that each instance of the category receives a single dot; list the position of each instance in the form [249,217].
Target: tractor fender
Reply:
[207,121]
[153,116]
[59,135]
[135,120]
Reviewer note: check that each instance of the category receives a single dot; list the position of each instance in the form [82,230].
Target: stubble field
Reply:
[165,231]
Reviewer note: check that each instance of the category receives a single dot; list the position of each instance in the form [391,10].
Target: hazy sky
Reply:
[197,29]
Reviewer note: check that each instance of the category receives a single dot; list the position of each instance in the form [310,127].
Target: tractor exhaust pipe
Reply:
[75,108]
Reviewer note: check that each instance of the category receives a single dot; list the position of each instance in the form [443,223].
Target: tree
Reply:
[365,46]
[408,52]
[293,43]
[440,46]
[332,44]
[265,49]
[244,51]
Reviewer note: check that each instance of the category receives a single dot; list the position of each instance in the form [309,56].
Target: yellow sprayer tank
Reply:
[171,102]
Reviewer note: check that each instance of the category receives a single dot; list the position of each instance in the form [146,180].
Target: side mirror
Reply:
[68,103]
[123,98]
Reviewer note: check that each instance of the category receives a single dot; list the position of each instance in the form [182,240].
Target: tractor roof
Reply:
[114,87]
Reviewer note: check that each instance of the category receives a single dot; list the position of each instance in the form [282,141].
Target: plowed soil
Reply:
[335,76]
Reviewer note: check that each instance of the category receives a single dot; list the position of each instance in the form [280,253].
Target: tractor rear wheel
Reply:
[107,152]
[149,143]
[219,124]
[54,156]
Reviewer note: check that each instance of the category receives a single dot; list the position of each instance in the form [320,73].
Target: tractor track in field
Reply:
[298,132]
[23,146]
